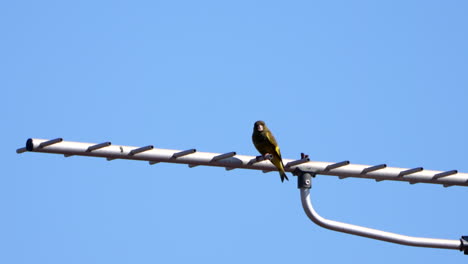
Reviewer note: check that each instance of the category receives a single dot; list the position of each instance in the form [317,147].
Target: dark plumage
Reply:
[265,143]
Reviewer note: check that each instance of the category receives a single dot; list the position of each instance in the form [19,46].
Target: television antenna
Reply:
[303,168]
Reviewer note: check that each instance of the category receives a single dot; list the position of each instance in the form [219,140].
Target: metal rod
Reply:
[410,171]
[337,165]
[183,153]
[50,142]
[224,156]
[445,174]
[21,150]
[373,168]
[139,150]
[374,233]
[98,146]
[296,162]
[112,152]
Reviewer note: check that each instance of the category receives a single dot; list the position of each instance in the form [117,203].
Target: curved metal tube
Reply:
[374,233]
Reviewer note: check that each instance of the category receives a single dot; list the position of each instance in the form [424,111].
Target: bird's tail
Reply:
[281,170]
[283,176]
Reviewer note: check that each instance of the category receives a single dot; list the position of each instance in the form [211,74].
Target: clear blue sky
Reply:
[366,81]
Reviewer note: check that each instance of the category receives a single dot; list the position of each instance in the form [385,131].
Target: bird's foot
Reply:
[267,156]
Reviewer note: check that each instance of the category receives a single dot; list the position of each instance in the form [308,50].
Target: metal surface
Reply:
[374,233]
[231,160]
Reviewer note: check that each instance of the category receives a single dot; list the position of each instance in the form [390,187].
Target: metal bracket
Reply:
[304,178]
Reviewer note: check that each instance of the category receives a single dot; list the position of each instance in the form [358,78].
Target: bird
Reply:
[265,143]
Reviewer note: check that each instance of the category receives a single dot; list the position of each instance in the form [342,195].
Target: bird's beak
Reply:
[260,128]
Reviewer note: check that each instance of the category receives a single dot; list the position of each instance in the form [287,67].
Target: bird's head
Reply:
[259,126]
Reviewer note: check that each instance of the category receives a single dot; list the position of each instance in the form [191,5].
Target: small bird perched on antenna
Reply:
[266,144]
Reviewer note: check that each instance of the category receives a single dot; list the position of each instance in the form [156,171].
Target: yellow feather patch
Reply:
[277,150]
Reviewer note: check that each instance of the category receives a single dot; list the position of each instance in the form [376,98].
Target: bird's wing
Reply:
[272,140]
